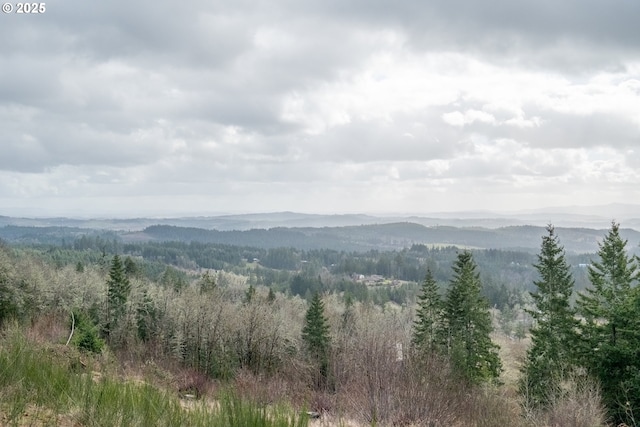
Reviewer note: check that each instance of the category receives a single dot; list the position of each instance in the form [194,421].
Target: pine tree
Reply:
[468,325]
[131,268]
[86,335]
[348,316]
[611,279]
[249,294]
[315,335]
[427,328]
[610,308]
[146,317]
[553,337]
[118,289]
[207,283]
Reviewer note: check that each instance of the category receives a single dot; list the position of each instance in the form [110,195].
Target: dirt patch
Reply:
[34,416]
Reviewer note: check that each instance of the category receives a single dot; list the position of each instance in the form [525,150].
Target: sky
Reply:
[158,108]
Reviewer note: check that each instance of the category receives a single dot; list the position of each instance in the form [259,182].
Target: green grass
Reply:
[236,412]
[34,381]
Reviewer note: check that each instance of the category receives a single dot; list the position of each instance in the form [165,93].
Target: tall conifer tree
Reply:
[553,336]
[427,328]
[468,324]
[118,289]
[610,331]
[315,335]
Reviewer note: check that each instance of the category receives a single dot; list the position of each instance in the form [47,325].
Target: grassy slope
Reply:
[43,384]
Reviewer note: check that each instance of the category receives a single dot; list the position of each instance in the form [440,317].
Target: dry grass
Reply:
[512,353]
[391,393]
[34,416]
[49,328]
[579,405]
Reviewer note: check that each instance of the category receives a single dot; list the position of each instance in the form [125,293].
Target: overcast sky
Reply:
[161,108]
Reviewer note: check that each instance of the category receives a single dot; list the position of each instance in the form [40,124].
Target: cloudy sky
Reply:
[170,108]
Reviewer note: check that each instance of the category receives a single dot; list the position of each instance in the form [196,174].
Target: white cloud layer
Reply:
[155,108]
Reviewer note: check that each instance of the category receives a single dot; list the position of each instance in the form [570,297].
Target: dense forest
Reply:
[506,274]
[381,336]
[379,236]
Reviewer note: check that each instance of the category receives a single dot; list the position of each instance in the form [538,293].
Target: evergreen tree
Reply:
[468,323]
[610,330]
[207,283]
[146,317]
[315,335]
[249,294]
[86,335]
[271,296]
[131,268]
[348,316]
[427,328]
[553,337]
[118,289]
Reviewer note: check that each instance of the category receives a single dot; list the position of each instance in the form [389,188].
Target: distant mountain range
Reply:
[386,237]
[579,229]
[597,217]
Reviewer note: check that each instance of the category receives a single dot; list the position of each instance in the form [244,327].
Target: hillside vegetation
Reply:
[113,312]
[370,236]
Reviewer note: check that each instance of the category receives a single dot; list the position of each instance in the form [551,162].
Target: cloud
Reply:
[456,118]
[323,105]
[572,36]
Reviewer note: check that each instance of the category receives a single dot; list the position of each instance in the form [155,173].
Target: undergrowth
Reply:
[35,384]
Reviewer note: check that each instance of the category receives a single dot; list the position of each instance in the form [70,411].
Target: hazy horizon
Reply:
[597,213]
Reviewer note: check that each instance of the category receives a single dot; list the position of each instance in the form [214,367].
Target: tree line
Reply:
[597,338]
[505,274]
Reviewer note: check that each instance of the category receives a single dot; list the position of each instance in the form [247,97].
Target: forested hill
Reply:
[388,236]
[384,236]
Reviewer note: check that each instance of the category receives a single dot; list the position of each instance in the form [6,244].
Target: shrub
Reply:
[85,332]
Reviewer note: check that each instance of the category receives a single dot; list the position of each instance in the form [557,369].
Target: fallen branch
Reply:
[73,327]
